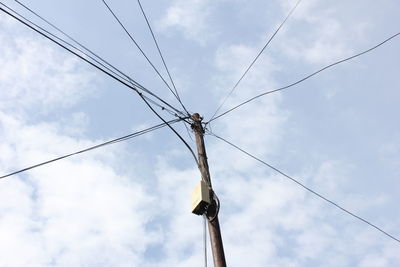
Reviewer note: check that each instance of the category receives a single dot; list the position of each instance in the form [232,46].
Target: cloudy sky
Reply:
[128,204]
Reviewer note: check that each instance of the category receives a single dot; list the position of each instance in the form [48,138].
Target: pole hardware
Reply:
[205,201]
[212,209]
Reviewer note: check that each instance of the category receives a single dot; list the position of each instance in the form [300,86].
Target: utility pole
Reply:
[213,223]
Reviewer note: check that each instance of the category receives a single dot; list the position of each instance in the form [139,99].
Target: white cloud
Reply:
[325,35]
[76,124]
[85,211]
[39,76]
[268,218]
[255,118]
[75,212]
[389,155]
[190,17]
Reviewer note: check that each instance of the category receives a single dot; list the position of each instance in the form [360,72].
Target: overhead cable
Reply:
[113,141]
[158,115]
[256,58]
[71,38]
[205,239]
[140,49]
[309,189]
[307,77]
[164,63]
[161,55]
[176,133]
[116,78]
[52,37]
[113,71]
[88,52]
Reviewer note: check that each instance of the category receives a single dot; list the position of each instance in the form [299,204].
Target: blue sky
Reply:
[128,204]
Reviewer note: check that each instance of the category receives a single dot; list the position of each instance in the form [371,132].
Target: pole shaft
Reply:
[213,226]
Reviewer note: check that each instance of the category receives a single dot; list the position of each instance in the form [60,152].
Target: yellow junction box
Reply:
[200,198]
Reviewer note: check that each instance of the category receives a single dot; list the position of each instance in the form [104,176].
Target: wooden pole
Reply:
[213,225]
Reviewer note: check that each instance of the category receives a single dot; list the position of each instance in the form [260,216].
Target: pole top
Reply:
[196,117]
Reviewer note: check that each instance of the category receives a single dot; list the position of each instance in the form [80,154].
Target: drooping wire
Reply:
[205,239]
[164,63]
[309,189]
[127,81]
[161,118]
[307,77]
[124,76]
[99,68]
[169,126]
[256,58]
[188,132]
[172,112]
[161,55]
[113,141]
[140,49]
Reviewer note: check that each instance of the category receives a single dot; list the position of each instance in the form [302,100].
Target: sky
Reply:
[128,204]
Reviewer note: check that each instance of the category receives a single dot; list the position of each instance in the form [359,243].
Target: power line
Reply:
[176,133]
[69,37]
[161,55]
[308,189]
[113,141]
[124,80]
[145,99]
[113,69]
[255,59]
[48,35]
[308,76]
[173,113]
[205,239]
[164,63]
[161,118]
[140,49]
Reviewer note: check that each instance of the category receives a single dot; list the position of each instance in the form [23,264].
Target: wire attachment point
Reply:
[212,210]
